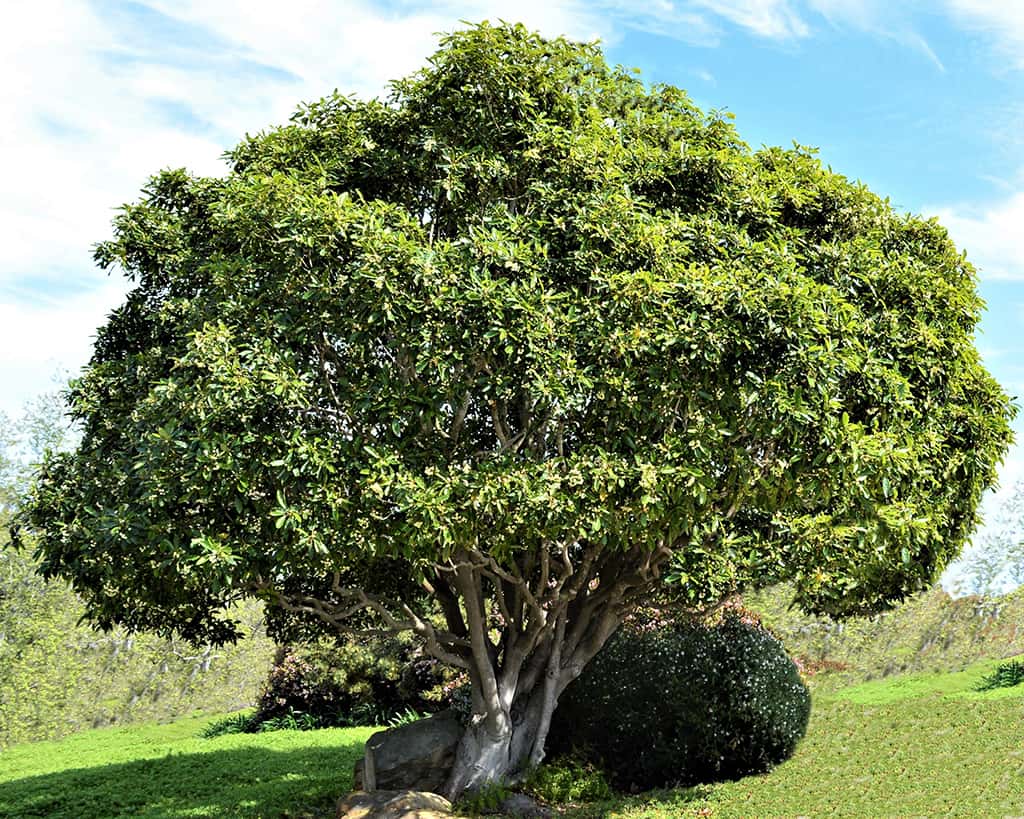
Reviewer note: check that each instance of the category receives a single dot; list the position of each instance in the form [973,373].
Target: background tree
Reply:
[1011,517]
[994,562]
[532,342]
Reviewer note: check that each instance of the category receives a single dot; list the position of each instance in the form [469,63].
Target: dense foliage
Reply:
[351,682]
[685,702]
[528,338]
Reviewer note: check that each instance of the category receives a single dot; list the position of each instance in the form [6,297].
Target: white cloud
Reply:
[1001,19]
[993,236]
[892,21]
[78,138]
[862,14]
[98,95]
[85,103]
[354,45]
[774,19]
[44,339]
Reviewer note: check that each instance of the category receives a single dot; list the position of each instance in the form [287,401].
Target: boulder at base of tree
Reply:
[417,756]
[394,805]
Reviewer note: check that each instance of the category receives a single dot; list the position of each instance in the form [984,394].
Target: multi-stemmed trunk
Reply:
[501,745]
[522,629]
[499,750]
[516,690]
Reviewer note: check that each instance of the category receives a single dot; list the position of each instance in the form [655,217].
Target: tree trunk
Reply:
[504,755]
[550,632]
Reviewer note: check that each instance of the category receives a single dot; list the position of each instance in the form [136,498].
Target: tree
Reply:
[530,342]
[1011,518]
[994,562]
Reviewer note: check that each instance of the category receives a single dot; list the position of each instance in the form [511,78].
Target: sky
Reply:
[922,100]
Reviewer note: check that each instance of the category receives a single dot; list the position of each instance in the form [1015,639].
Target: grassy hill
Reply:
[914,757]
[929,633]
[59,675]
[921,744]
[897,729]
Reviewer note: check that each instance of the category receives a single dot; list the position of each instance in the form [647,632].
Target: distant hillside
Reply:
[932,632]
[58,676]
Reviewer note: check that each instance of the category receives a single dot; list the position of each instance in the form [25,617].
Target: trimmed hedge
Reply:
[683,703]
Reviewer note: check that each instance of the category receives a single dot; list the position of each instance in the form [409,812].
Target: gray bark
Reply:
[502,743]
[552,608]
[504,756]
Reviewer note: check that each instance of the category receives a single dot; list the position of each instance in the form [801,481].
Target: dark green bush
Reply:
[297,686]
[684,703]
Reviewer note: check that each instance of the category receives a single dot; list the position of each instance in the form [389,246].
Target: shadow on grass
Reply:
[250,782]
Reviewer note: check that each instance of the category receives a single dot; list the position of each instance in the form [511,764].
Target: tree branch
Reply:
[467,581]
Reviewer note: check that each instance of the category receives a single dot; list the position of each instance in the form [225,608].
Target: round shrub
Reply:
[350,682]
[684,703]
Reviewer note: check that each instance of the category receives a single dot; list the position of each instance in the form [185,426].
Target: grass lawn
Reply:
[170,771]
[921,745]
[913,745]
[959,685]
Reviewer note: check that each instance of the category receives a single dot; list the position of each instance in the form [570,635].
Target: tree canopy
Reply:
[529,340]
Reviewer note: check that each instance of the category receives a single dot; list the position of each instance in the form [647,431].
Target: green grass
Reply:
[916,745]
[958,685]
[169,771]
[932,756]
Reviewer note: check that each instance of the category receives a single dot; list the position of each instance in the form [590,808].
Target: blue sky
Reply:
[922,100]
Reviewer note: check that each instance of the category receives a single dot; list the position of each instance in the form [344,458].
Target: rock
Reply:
[418,756]
[394,805]
[519,804]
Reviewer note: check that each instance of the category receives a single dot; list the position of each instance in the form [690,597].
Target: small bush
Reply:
[1006,675]
[483,800]
[684,703]
[406,717]
[568,780]
[250,723]
[291,722]
[240,723]
[297,687]
[352,682]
